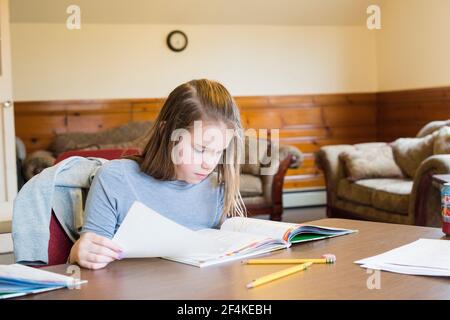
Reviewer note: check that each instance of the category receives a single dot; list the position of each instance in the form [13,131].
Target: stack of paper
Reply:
[18,280]
[428,257]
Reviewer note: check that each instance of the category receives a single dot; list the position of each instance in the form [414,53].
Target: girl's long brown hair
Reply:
[204,100]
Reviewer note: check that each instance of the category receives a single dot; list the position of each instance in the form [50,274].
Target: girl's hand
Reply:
[94,252]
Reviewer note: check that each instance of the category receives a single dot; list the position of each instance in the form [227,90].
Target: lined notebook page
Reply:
[272,229]
[235,242]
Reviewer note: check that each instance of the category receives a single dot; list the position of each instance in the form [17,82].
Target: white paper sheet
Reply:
[408,269]
[429,257]
[21,272]
[146,233]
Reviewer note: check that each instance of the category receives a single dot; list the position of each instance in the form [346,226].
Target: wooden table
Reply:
[155,278]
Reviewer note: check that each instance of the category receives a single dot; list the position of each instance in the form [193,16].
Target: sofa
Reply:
[388,182]
[262,194]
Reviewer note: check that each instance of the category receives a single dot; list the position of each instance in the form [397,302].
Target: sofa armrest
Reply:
[36,162]
[296,155]
[327,159]
[425,198]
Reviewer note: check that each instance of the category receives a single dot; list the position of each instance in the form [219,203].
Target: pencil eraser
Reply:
[331,258]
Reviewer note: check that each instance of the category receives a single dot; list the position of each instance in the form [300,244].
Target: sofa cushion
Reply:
[373,214]
[392,195]
[442,141]
[410,152]
[369,145]
[256,202]
[377,162]
[385,194]
[250,185]
[354,192]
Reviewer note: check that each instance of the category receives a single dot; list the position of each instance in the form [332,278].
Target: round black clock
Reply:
[177,40]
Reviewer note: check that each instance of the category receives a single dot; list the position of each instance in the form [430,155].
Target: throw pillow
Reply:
[410,152]
[442,141]
[376,162]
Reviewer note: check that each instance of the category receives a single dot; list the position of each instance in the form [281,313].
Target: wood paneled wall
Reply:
[305,121]
[404,113]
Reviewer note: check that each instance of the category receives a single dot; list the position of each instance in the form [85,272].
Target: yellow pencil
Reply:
[327,258]
[286,261]
[278,274]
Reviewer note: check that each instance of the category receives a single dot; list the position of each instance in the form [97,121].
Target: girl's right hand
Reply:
[94,252]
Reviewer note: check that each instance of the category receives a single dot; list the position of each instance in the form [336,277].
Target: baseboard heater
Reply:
[304,198]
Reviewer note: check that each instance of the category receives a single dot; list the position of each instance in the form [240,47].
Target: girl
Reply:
[196,194]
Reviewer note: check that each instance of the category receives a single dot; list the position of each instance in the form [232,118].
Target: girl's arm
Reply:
[94,249]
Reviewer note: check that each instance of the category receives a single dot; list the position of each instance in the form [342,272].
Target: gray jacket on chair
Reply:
[60,188]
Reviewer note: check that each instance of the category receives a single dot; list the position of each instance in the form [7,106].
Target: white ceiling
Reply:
[257,12]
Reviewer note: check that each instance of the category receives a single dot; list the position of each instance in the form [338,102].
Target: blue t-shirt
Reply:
[118,183]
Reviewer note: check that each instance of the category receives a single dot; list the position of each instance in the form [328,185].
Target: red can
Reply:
[445,208]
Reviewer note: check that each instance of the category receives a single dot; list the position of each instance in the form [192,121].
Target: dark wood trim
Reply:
[423,189]
[403,113]
[305,121]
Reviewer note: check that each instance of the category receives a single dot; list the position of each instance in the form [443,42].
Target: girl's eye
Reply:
[199,150]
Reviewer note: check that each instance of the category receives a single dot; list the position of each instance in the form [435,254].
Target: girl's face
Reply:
[200,150]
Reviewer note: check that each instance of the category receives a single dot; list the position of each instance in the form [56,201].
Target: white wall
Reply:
[132,61]
[413,46]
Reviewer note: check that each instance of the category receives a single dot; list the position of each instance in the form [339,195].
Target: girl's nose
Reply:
[206,166]
[208,162]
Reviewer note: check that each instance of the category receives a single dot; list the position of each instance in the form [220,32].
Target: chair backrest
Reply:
[109,154]
[59,244]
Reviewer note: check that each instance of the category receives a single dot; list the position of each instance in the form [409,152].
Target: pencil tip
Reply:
[249,286]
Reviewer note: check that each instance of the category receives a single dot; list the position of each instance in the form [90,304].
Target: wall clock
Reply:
[177,40]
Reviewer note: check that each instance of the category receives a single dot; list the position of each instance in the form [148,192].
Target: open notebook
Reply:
[145,233]
[247,237]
